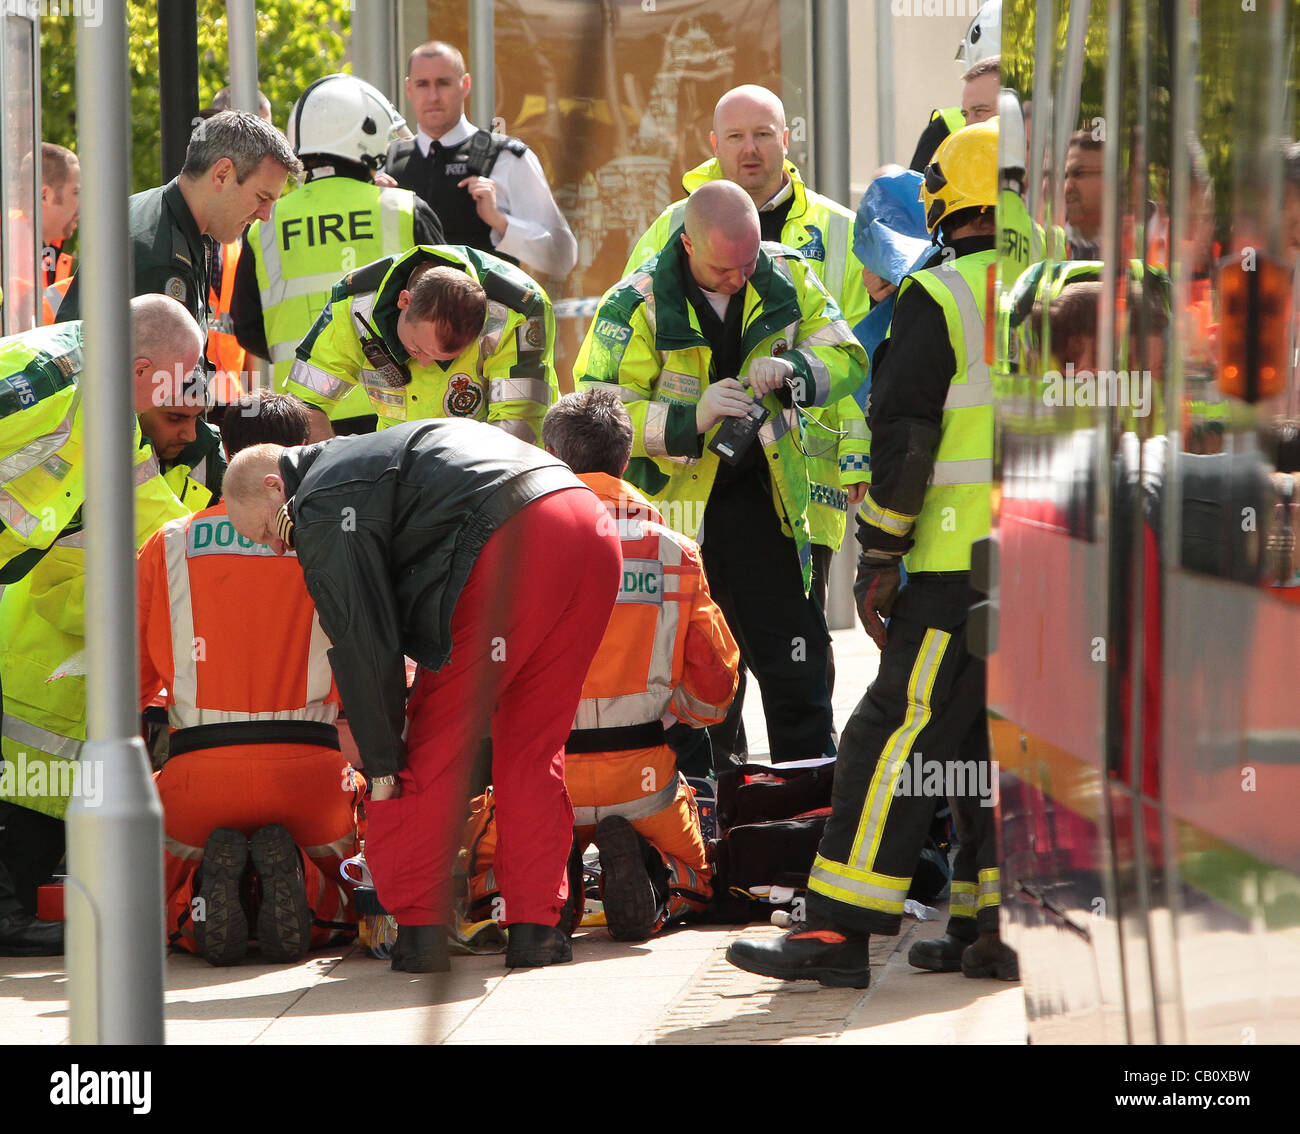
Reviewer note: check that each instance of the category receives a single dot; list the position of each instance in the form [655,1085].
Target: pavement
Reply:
[675,989]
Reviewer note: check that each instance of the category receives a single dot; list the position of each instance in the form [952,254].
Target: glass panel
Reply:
[21,240]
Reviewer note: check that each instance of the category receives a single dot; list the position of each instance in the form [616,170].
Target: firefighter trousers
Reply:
[919,733]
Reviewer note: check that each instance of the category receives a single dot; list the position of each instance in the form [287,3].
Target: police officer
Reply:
[932,454]
[488,190]
[340,128]
[439,331]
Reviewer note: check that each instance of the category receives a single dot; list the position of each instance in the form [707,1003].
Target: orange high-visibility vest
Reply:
[229,628]
[224,351]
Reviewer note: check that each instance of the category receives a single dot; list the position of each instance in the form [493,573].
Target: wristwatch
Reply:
[383,781]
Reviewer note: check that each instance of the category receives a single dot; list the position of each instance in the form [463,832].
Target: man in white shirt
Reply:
[488,190]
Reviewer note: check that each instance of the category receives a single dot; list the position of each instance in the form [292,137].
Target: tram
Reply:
[1144,616]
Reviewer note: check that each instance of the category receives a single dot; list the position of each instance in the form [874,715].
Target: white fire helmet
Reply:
[343,116]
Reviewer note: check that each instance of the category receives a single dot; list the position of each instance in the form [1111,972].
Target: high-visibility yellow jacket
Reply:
[838,447]
[506,376]
[646,339]
[42,557]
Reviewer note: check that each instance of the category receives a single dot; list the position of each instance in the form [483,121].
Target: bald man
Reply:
[750,146]
[714,329]
[43,571]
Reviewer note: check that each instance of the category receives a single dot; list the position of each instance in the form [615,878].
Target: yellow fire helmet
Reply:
[963,174]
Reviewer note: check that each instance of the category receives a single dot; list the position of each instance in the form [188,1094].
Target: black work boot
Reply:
[220,923]
[284,921]
[531,946]
[836,958]
[939,954]
[990,956]
[21,934]
[631,907]
[575,905]
[421,949]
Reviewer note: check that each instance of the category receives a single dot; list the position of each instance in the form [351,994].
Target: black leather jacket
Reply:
[387,527]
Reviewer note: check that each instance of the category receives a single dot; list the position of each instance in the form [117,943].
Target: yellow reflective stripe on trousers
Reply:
[990,889]
[961,900]
[894,523]
[861,888]
[897,749]
[641,808]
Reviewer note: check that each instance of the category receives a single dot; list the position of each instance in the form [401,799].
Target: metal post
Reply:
[241,20]
[374,40]
[178,80]
[482,63]
[115,875]
[831,160]
[884,84]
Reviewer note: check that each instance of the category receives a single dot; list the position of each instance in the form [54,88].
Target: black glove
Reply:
[874,590]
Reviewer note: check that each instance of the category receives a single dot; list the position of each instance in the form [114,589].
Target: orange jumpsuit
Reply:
[230,631]
[666,653]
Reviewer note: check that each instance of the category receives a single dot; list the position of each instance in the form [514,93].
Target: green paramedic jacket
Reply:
[43,559]
[646,339]
[836,440]
[506,376]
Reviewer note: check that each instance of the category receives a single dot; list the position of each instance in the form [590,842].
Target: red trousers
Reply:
[525,630]
[306,788]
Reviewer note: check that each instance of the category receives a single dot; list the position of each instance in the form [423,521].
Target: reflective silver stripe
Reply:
[977,389]
[390,216]
[285,351]
[660,675]
[619,712]
[626,393]
[977,471]
[656,425]
[771,431]
[682,698]
[826,879]
[676,212]
[188,716]
[641,808]
[146,470]
[319,674]
[642,283]
[185,678]
[837,251]
[779,262]
[490,339]
[961,901]
[386,400]
[821,377]
[41,739]
[519,390]
[178,849]
[16,516]
[834,333]
[362,305]
[990,889]
[199,471]
[273,292]
[77,540]
[30,455]
[517,428]
[319,381]
[894,523]
[54,297]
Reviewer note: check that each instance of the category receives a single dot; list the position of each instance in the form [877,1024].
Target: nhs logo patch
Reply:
[23,388]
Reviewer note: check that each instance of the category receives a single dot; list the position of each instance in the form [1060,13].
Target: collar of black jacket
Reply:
[673,328]
[174,199]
